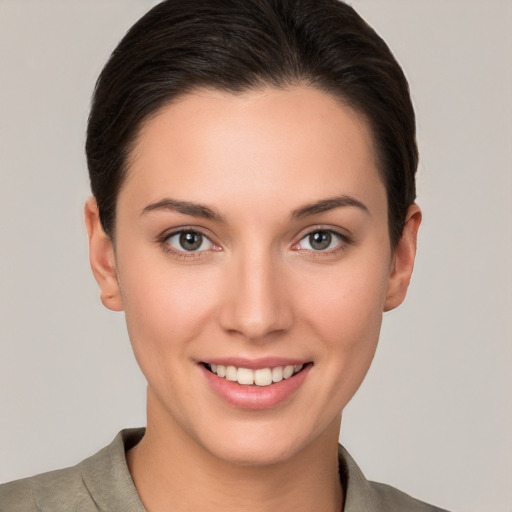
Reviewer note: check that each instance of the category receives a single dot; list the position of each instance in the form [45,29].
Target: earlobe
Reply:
[403,260]
[102,258]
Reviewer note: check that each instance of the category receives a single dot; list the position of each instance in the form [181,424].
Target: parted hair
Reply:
[238,45]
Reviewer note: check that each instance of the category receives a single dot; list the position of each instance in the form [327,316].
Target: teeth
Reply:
[277,374]
[288,371]
[245,376]
[231,373]
[260,377]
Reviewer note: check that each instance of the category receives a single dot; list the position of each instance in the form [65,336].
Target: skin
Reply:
[258,289]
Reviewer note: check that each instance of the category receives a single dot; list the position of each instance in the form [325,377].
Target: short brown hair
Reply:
[237,45]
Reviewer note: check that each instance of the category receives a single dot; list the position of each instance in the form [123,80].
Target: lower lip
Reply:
[255,397]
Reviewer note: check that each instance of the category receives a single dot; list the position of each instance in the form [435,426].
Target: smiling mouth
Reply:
[259,377]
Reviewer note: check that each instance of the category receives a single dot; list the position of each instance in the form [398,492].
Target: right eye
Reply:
[321,240]
[189,241]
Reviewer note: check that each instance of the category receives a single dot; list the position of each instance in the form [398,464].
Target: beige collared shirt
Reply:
[103,483]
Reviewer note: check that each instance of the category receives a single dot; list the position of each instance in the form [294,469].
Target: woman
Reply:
[252,165]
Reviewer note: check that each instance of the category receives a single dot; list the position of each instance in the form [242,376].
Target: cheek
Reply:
[166,308]
[344,309]
[348,299]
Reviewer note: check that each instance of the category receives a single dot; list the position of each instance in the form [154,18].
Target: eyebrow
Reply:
[186,208]
[326,205]
[205,212]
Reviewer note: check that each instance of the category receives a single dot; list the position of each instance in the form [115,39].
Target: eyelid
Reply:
[345,239]
[204,239]
[162,240]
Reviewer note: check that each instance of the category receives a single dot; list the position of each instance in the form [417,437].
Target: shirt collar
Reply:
[108,479]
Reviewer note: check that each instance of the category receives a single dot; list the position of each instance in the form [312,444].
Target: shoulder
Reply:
[398,501]
[56,490]
[97,483]
[362,495]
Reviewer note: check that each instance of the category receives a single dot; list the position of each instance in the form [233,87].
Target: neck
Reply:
[171,471]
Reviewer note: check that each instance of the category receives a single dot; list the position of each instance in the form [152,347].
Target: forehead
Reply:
[286,144]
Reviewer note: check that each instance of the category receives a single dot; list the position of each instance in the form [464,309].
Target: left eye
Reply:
[320,240]
[189,241]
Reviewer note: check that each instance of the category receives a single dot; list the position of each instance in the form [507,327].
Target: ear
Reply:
[403,260]
[102,258]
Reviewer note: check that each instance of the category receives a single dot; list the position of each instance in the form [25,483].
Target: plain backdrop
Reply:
[434,416]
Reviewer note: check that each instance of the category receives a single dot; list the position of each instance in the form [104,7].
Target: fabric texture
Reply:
[102,483]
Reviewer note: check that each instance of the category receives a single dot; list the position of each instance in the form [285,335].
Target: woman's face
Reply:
[252,233]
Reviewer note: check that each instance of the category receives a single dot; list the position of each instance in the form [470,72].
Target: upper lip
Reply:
[255,364]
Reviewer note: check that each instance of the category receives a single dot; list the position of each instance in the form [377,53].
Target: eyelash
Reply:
[343,242]
[182,253]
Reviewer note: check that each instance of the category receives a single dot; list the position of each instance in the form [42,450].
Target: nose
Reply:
[256,304]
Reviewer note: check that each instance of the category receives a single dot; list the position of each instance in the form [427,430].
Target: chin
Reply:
[256,444]
[257,454]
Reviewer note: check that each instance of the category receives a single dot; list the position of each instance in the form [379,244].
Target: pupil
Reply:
[191,241]
[320,240]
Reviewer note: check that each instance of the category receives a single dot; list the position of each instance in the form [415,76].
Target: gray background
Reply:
[434,416]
